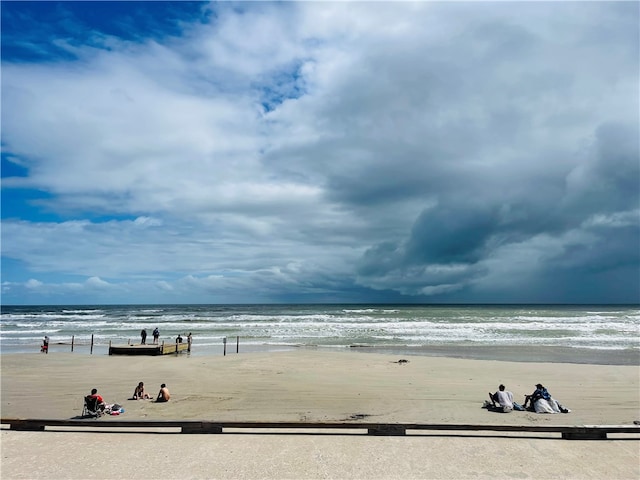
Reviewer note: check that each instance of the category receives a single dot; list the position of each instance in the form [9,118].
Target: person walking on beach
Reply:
[163,394]
[143,336]
[156,335]
[45,345]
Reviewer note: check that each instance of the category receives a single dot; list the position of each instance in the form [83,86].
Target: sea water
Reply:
[410,328]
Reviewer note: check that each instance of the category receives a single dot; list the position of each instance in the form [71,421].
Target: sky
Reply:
[320,152]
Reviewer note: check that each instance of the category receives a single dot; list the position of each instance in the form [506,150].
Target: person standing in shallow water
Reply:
[143,336]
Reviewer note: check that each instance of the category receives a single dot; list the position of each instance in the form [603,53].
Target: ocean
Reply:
[584,334]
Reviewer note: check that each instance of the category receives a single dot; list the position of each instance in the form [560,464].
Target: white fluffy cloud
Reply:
[332,152]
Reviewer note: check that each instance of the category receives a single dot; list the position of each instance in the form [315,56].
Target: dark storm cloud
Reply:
[596,212]
[608,179]
[516,135]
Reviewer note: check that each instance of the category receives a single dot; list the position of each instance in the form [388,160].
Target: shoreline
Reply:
[503,353]
[518,353]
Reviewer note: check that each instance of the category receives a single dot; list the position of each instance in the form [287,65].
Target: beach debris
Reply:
[402,361]
[357,416]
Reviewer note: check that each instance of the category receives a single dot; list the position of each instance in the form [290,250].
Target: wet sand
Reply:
[304,385]
[315,386]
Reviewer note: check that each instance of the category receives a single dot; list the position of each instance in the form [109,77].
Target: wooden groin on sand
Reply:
[569,432]
[165,348]
[149,349]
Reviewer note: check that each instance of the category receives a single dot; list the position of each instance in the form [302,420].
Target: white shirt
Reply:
[505,398]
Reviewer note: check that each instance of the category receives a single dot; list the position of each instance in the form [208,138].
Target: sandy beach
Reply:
[308,385]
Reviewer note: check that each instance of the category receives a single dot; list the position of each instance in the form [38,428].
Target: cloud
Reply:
[608,178]
[335,151]
[33,284]
[97,283]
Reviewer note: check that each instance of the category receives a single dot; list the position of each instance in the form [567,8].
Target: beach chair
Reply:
[91,407]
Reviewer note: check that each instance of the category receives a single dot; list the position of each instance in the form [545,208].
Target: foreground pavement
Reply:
[118,455]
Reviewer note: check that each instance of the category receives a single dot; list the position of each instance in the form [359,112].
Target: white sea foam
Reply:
[327,325]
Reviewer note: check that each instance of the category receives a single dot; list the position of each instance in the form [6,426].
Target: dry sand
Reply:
[312,385]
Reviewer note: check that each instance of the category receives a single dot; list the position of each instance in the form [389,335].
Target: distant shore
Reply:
[518,353]
[508,353]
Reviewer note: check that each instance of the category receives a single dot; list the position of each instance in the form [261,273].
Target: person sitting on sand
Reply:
[504,398]
[139,393]
[538,393]
[542,401]
[163,394]
[99,400]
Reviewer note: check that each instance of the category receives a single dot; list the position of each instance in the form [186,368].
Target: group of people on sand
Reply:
[540,401]
[156,336]
[143,336]
[140,394]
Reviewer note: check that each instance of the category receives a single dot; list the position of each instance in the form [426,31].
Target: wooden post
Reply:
[72,338]
[110,353]
[224,342]
[92,343]
[237,344]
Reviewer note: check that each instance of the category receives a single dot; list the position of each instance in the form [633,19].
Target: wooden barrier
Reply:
[162,349]
[569,432]
[224,345]
[148,349]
